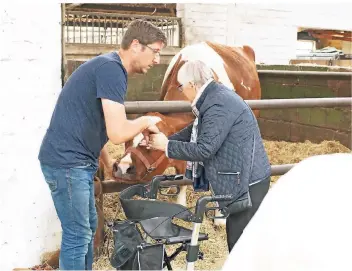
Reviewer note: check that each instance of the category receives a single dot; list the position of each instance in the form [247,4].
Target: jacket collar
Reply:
[202,93]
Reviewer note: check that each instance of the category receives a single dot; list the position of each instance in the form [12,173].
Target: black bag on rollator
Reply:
[131,252]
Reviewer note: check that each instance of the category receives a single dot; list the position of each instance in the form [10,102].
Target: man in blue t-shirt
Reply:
[89,112]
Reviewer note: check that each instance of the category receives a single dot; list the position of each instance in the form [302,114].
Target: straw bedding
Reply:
[215,249]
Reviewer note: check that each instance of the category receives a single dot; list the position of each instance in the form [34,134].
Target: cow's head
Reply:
[140,164]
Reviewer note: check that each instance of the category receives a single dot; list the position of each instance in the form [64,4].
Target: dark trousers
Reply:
[235,223]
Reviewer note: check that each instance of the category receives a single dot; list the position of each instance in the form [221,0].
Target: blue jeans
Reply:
[72,191]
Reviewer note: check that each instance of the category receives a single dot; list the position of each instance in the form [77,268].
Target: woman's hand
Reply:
[147,132]
[151,128]
[158,141]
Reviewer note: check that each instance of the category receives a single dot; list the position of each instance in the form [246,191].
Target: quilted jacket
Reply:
[229,142]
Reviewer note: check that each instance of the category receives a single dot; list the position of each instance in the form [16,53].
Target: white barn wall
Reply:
[334,15]
[204,22]
[266,29]
[30,68]
[270,28]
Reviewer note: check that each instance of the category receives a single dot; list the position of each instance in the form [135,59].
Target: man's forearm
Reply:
[130,129]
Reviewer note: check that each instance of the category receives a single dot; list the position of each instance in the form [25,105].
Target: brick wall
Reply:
[268,29]
[203,22]
[30,68]
[299,124]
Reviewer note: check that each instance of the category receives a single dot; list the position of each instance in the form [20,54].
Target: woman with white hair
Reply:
[223,146]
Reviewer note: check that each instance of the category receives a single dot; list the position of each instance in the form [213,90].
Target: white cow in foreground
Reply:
[304,223]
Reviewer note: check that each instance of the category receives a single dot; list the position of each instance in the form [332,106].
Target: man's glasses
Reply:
[155,51]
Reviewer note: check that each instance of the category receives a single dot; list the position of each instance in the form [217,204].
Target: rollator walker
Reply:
[140,241]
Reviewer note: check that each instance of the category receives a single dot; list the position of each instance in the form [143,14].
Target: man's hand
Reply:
[151,129]
[158,141]
[151,120]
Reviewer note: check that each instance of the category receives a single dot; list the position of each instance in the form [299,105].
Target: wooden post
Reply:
[63,51]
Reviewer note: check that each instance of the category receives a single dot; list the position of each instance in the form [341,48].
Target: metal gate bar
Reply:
[183,106]
[342,75]
[111,186]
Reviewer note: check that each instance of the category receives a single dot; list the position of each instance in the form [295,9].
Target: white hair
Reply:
[194,71]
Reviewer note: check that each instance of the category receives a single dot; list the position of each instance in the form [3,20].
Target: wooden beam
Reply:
[326,31]
[343,39]
[63,47]
[158,12]
[119,22]
[121,5]
[172,11]
[165,8]
[330,34]
[332,37]
[71,6]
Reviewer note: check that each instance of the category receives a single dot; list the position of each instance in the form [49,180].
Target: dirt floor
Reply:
[215,249]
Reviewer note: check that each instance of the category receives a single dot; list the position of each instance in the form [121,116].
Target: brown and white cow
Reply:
[232,66]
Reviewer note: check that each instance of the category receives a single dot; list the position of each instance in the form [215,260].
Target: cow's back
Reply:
[232,66]
[200,51]
[241,69]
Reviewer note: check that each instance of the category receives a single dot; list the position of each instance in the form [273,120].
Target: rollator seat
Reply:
[162,228]
[155,217]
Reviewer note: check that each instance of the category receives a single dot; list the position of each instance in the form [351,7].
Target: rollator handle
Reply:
[224,212]
[155,184]
[222,198]
[168,194]
[203,201]
[173,177]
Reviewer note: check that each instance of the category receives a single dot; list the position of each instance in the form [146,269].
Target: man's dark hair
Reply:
[143,31]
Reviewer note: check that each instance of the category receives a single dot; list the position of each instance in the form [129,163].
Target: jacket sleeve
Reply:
[216,124]
[183,135]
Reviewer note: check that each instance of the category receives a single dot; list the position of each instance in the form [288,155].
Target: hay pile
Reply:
[282,152]
[215,249]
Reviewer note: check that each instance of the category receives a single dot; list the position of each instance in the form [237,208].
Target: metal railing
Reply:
[109,28]
[140,107]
